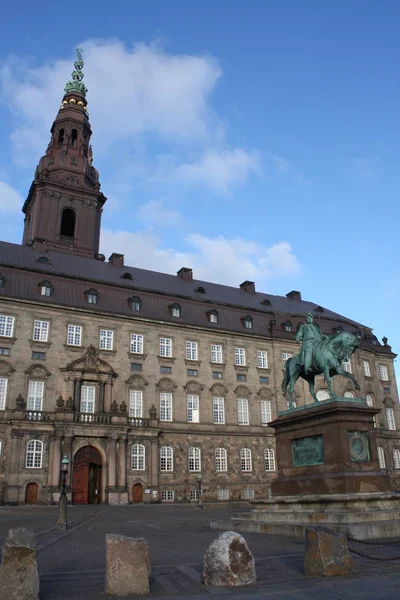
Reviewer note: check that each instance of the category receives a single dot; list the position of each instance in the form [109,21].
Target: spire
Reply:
[77,85]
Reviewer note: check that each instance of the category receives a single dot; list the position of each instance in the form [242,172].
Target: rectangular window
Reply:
[6,326]
[262,359]
[248,493]
[40,331]
[38,355]
[166,370]
[136,343]
[136,367]
[167,495]
[265,412]
[223,494]
[216,353]
[191,350]
[383,372]
[35,395]
[240,357]
[217,375]
[367,372]
[88,393]
[74,336]
[166,347]
[193,415]
[165,407]
[346,365]
[390,419]
[264,379]
[3,392]
[243,411]
[106,339]
[285,357]
[192,372]
[194,494]
[5,351]
[241,377]
[218,410]
[135,403]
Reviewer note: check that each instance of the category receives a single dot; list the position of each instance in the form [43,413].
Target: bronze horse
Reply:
[327,359]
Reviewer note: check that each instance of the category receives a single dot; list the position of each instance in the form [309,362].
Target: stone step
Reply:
[313,517]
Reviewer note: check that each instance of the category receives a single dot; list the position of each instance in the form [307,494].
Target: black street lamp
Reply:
[199,493]
[62,524]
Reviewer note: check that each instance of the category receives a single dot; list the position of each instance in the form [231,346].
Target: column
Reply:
[56,464]
[14,463]
[77,395]
[102,386]
[122,463]
[154,463]
[111,450]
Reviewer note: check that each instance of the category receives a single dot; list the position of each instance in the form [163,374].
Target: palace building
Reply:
[149,383]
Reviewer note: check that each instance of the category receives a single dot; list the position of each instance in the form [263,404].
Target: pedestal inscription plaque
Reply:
[308,451]
[359,446]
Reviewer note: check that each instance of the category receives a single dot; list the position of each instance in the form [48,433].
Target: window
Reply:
[323,395]
[1,447]
[175,310]
[383,372]
[68,222]
[370,402]
[240,357]
[6,326]
[167,495]
[240,377]
[248,322]
[218,410]
[346,365]
[191,372]
[74,335]
[194,494]
[38,355]
[166,347]
[349,394]
[106,339]
[213,316]
[166,370]
[200,290]
[40,331]
[193,409]
[5,351]
[396,458]
[92,297]
[61,136]
[46,288]
[165,407]
[262,359]
[221,463]
[216,353]
[136,304]
[223,494]
[138,457]
[390,419]
[88,394]
[166,458]
[35,395]
[243,411]
[136,343]
[285,358]
[127,276]
[245,459]
[264,380]
[194,459]
[367,372]
[217,375]
[135,403]
[191,350]
[381,458]
[74,137]
[34,453]
[3,392]
[265,412]
[287,326]
[248,493]
[136,367]
[269,459]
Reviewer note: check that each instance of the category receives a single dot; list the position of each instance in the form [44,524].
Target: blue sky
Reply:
[255,140]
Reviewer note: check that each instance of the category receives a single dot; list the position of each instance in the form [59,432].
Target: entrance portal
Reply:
[137,493]
[86,486]
[31,493]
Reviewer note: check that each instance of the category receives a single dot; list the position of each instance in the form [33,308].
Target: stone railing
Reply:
[138,422]
[38,415]
[96,418]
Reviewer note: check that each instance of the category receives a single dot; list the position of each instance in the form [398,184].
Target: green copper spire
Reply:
[77,76]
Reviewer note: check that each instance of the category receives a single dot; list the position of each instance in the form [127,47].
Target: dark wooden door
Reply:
[86,482]
[80,483]
[137,493]
[31,493]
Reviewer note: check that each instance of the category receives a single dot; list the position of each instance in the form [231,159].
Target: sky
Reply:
[247,140]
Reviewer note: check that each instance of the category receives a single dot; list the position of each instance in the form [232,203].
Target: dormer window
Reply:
[127,276]
[74,137]
[266,302]
[319,309]
[287,326]
[213,316]
[136,303]
[46,289]
[176,310]
[92,297]
[200,290]
[44,260]
[247,322]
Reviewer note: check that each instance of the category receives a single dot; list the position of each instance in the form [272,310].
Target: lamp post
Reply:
[199,492]
[62,524]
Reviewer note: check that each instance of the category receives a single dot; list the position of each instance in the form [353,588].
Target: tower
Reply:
[64,205]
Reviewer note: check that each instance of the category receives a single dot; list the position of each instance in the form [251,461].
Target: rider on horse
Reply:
[310,335]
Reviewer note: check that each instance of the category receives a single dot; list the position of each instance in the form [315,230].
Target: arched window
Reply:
[269,458]
[200,290]
[213,316]
[34,454]
[381,458]
[176,310]
[166,458]
[46,289]
[265,302]
[245,459]
[127,275]
[135,303]
[349,394]
[396,458]
[370,402]
[323,395]
[68,219]
[194,459]
[247,322]
[221,463]
[92,297]
[74,137]
[61,136]
[138,457]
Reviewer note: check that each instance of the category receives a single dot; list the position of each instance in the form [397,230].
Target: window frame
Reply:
[104,339]
[34,455]
[266,412]
[89,403]
[192,350]
[7,323]
[73,331]
[269,460]
[381,458]
[135,303]
[136,345]
[165,347]
[218,410]
[191,400]
[396,458]
[383,373]
[243,411]
[40,331]
[216,354]
[246,465]
[135,404]
[220,460]
[166,401]
[138,457]
[194,459]
[366,368]
[390,419]
[35,400]
[240,357]
[166,461]
[3,392]
[285,358]
[262,359]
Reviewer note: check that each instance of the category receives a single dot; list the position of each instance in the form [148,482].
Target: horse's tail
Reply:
[286,379]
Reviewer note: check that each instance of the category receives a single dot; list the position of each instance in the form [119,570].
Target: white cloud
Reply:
[280,163]
[10,201]
[155,213]
[227,261]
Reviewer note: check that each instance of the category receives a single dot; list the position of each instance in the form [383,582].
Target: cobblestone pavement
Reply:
[72,563]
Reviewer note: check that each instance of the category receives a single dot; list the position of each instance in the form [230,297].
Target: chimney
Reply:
[39,245]
[116,260]
[185,274]
[248,286]
[293,295]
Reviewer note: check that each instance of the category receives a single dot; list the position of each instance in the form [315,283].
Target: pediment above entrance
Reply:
[90,362]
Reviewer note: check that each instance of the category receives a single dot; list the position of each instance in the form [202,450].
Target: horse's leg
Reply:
[329,381]
[294,375]
[311,385]
[341,371]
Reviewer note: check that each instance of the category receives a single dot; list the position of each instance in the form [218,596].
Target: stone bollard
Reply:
[327,553]
[228,561]
[19,576]
[128,566]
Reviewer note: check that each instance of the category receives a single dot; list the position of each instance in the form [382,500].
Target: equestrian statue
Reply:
[319,354]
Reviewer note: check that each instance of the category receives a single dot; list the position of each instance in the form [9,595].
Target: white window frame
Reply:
[165,406]
[45,290]
[326,395]
[390,419]
[346,365]
[3,392]
[166,347]
[74,335]
[240,357]
[194,494]
[396,458]
[6,326]
[219,410]
[137,343]
[349,394]
[269,459]
[216,354]
[243,411]
[138,457]
[262,359]
[383,373]
[285,358]
[223,494]
[245,460]
[193,408]
[35,395]
[248,494]
[167,495]
[266,412]
[34,454]
[381,458]
[92,297]
[194,460]
[370,402]
[106,339]
[88,398]
[191,350]
[40,330]
[176,311]
[221,460]
[136,404]
[213,316]
[366,369]
[166,458]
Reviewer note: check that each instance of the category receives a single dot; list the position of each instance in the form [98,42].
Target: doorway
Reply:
[31,493]
[137,493]
[86,485]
